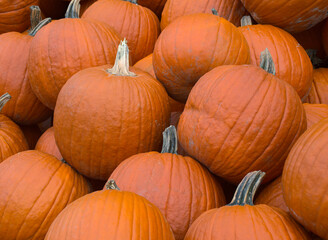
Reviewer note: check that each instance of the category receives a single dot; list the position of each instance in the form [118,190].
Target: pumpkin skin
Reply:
[47,143]
[139,25]
[319,90]
[293,16]
[97,219]
[24,107]
[305,182]
[315,113]
[181,55]
[62,48]
[231,10]
[155,5]
[240,130]
[15,15]
[292,63]
[40,186]
[32,134]
[272,196]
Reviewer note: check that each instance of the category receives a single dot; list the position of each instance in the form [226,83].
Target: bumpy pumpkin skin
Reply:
[47,143]
[110,214]
[315,113]
[233,131]
[319,90]
[293,16]
[272,196]
[292,63]
[15,15]
[23,107]
[40,186]
[182,53]
[101,119]
[305,180]
[64,47]
[231,10]
[179,186]
[139,25]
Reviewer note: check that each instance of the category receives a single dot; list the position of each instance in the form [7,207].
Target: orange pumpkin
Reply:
[117,113]
[64,47]
[231,10]
[319,90]
[155,5]
[179,186]
[110,214]
[305,180]
[35,188]
[32,134]
[292,63]
[47,144]
[182,53]
[233,131]
[139,25]
[241,219]
[315,113]
[12,137]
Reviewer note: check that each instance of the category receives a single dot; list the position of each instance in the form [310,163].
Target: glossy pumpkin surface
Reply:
[47,143]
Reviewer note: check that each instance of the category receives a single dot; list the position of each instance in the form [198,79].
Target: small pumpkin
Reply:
[47,143]
[315,113]
[64,47]
[241,219]
[35,188]
[182,53]
[139,25]
[32,134]
[233,131]
[319,89]
[305,181]
[110,214]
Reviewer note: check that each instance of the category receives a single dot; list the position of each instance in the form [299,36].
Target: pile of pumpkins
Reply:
[160,119]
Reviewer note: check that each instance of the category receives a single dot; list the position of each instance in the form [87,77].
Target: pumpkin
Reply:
[14,15]
[305,180]
[292,63]
[12,137]
[116,113]
[155,5]
[139,25]
[182,53]
[64,47]
[319,90]
[293,16]
[85,5]
[233,131]
[179,186]
[315,113]
[110,214]
[32,134]
[24,107]
[325,37]
[47,143]
[272,195]
[35,188]
[231,10]
[241,219]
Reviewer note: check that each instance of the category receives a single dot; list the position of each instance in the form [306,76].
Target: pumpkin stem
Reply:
[40,25]
[132,1]
[246,190]
[4,99]
[266,62]
[246,21]
[121,66]
[214,12]
[35,17]
[73,10]
[111,184]
[170,140]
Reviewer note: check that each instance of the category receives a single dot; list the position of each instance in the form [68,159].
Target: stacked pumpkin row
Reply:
[234,93]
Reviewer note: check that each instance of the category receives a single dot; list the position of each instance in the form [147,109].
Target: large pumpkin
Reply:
[139,25]
[319,89]
[241,219]
[64,47]
[105,115]
[292,63]
[231,10]
[179,186]
[293,16]
[12,137]
[315,113]
[110,214]
[193,45]
[241,118]
[47,143]
[305,179]
[35,188]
